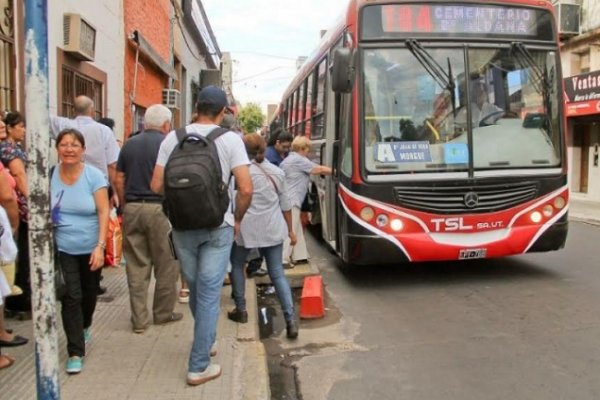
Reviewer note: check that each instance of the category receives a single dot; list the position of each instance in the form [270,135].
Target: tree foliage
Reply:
[251,117]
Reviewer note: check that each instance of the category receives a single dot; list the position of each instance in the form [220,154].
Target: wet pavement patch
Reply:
[281,361]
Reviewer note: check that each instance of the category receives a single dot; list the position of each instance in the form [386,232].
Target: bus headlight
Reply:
[367,213]
[382,220]
[536,217]
[548,210]
[396,225]
[559,203]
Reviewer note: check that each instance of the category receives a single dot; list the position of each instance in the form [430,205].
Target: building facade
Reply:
[85,56]
[167,49]
[90,61]
[124,54]
[579,26]
[11,56]
[195,50]
[148,67]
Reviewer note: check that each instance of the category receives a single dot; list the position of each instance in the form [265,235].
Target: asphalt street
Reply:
[523,327]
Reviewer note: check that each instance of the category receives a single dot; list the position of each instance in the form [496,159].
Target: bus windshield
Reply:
[499,104]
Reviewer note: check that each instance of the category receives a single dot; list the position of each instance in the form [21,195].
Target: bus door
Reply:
[327,185]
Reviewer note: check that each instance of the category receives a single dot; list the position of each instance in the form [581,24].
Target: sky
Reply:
[265,38]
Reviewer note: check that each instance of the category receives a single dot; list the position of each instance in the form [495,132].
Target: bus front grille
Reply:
[460,199]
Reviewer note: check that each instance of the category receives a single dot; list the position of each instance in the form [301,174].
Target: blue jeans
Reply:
[203,255]
[282,287]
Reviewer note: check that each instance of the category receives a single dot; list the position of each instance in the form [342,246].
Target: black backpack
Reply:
[195,195]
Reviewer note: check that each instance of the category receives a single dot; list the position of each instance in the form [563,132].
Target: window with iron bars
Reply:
[76,84]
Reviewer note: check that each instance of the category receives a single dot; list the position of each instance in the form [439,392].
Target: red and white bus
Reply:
[444,124]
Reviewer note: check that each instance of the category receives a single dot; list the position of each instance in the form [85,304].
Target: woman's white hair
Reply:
[156,115]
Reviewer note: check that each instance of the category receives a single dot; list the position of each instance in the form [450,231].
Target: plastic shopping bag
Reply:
[114,241]
[8,254]
[8,247]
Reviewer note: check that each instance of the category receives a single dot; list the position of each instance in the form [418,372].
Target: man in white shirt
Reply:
[101,147]
[204,253]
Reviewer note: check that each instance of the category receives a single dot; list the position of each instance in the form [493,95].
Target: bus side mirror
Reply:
[342,70]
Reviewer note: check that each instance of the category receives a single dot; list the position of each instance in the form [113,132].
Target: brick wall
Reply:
[152,21]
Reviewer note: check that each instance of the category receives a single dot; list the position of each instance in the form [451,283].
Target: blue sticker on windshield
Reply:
[456,153]
[400,152]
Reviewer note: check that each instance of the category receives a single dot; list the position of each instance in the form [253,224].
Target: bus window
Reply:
[308,104]
[405,106]
[288,113]
[507,97]
[302,102]
[318,128]
[513,108]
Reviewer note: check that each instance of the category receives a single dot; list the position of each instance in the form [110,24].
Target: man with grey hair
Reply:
[101,147]
[145,226]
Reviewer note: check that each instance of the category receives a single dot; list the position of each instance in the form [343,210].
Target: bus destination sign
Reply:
[459,19]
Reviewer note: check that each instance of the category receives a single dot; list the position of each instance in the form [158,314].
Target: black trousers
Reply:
[79,302]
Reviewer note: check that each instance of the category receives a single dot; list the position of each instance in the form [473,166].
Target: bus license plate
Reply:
[470,254]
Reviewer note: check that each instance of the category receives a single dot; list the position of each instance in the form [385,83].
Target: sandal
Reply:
[6,361]
[184,296]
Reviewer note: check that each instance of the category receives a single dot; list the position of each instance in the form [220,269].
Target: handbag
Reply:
[60,286]
[310,203]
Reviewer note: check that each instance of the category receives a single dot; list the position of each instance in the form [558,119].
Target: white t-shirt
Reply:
[230,147]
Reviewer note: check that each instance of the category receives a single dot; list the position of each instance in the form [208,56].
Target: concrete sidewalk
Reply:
[153,365]
[584,210]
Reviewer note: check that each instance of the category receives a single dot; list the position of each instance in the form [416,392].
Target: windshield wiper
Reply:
[524,55]
[442,77]
[540,81]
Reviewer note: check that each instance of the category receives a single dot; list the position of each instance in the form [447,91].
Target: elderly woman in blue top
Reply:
[298,168]
[79,201]
[267,223]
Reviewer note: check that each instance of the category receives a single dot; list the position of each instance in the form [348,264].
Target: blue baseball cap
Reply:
[213,95]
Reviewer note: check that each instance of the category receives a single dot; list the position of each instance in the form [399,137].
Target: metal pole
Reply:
[40,239]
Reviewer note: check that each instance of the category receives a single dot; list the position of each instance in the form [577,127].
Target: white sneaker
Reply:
[184,296]
[213,371]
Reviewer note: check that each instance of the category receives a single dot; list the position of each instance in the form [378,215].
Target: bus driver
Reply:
[483,113]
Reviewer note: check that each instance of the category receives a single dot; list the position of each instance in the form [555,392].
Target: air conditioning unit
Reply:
[170,98]
[569,18]
[79,37]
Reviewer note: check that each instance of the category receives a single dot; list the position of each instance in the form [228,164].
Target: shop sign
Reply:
[582,94]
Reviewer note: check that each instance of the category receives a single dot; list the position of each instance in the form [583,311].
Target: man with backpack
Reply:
[194,169]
